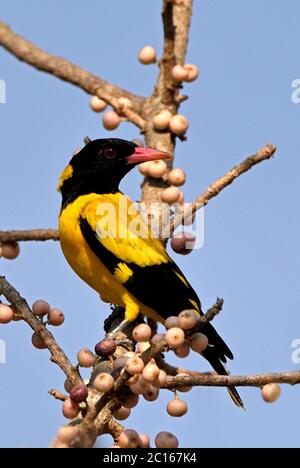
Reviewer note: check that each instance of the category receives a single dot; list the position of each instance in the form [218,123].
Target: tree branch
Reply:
[67,71]
[211,380]
[57,354]
[29,235]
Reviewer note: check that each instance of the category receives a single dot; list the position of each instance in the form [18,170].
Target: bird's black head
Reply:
[100,166]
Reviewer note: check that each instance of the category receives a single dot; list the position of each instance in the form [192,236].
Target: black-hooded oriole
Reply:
[98,234]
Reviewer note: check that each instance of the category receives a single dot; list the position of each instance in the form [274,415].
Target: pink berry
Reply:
[85,358]
[198,342]
[171,322]
[150,372]
[56,317]
[144,168]
[140,387]
[177,407]
[178,124]
[271,392]
[175,337]
[166,440]
[104,382]
[161,120]
[70,409]
[192,70]
[38,342]
[130,401]
[122,413]
[179,73]
[144,441]
[10,250]
[183,243]
[157,169]
[176,177]
[97,104]
[128,439]
[151,394]
[79,393]
[147,55]
[188,319]
[143,346]
[157,338]
[170,195]
[183,351]
[6,314]
[40,308]
[111,120]
[142,332]
[134,365]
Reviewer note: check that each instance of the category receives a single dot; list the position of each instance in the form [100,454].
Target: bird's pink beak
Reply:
[147,154]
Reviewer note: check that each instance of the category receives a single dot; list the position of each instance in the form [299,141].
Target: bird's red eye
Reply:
[110,153]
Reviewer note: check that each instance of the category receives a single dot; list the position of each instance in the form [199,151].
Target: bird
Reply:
[107,243]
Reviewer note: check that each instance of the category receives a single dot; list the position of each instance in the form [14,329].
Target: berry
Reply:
[97,104]
[120,362]
[79,393]
[166,440]
[183,351]
[147,55]
[179,73]
[140,387]
[171,322]
[142,332]
[40,308]
[157,338]
[188,319]
[70,409]
[10,250]
[105,348]
[151,394]
[37,341]
[271,392]
[128,439]
[143,346]
[177,407]
[144,168]
[130,401]
[6,314]
[178,124]
[56,317]
[157,169]
[176,177]
[198,342]
[104,382]
[175,337]
[183,243]
[193,72]
[161,120]
[161,379]
[144,441]
[150,372]
[170,195]
[85,358]
[122,413]
[134,365]
[111,120]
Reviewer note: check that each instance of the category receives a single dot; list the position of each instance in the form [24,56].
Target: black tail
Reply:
[217,353]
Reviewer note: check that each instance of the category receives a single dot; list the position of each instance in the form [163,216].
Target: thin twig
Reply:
[57,354]
[29,235]
[67,71]
[214,380]
[216,187]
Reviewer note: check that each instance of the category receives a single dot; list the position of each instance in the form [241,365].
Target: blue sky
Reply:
[248,57]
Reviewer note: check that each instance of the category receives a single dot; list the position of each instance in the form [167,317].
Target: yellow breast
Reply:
[80,257]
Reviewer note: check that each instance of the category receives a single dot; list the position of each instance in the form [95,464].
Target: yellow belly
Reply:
[88,266]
